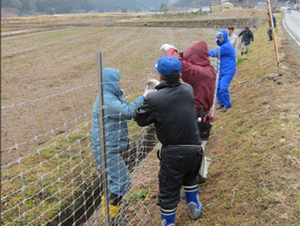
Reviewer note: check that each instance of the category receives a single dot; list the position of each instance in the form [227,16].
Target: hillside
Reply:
[34,7]
[37,7]
[254,176]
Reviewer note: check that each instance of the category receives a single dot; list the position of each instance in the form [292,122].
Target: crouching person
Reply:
[171,109]
[116,113]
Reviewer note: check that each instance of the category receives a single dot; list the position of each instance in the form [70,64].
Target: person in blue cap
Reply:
[117,111]
[171,108]
[226,54]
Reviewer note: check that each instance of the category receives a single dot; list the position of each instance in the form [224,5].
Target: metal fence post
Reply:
[102,137]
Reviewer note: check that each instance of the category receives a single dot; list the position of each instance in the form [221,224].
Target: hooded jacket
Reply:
[198,72]
[117,111]
[226,54]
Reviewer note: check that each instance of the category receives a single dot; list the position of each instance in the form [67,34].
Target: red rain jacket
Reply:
[198,72]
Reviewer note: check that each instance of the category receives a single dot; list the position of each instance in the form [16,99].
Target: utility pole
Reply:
[273,31]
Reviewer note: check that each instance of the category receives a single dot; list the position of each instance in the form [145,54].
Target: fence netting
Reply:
[49,175]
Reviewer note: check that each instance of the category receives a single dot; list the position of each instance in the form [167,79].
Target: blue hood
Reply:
[111,79]
[225,38]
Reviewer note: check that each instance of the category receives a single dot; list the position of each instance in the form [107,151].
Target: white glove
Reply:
[147,91]
[152,83]
[165,47]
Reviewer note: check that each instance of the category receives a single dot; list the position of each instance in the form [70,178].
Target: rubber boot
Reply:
[168,217]
[192,201]
[115,208]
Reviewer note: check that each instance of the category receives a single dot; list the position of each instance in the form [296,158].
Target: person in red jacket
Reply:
[197,71]
[201,75]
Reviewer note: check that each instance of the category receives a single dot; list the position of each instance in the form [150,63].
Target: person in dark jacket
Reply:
[269,32]
[117,111]
[171,109]
[246,40]
[227,57]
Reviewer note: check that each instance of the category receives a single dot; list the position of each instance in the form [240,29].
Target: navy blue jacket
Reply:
[247,36]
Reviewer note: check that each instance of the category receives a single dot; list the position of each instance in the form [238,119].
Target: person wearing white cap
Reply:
[171,109]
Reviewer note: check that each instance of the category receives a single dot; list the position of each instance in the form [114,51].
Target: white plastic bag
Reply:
[206,160]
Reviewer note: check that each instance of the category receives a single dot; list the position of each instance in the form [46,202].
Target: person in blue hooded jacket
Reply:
[117,111]
[226,54]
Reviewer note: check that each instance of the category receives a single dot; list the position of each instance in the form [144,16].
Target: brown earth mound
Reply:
[239,13]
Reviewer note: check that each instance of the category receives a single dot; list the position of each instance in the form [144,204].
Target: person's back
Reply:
[171,109]
[175,114]
[198,72]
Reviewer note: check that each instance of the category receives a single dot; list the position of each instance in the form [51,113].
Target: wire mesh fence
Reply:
[49,174]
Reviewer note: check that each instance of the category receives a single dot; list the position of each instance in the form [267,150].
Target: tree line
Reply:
[32,7]
[47,6]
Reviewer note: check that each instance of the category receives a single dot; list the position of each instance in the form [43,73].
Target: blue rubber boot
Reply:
[192,201]
[168,217]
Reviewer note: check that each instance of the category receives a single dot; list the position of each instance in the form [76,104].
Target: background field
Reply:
[52,71]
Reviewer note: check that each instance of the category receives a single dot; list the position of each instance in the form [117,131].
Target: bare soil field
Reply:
[42,64]
[38,63]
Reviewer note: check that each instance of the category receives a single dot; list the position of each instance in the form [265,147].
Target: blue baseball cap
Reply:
[168,65]
[220,35]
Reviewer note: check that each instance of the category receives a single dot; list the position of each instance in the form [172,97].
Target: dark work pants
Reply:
[179,166]
[270,34]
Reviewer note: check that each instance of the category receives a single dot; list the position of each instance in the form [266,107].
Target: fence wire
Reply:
[50,177]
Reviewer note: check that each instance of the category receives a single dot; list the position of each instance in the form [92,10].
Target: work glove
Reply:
[147,91]
[151,84]
[165,47]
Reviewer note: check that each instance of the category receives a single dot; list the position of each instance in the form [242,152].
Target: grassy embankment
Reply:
[254,176]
